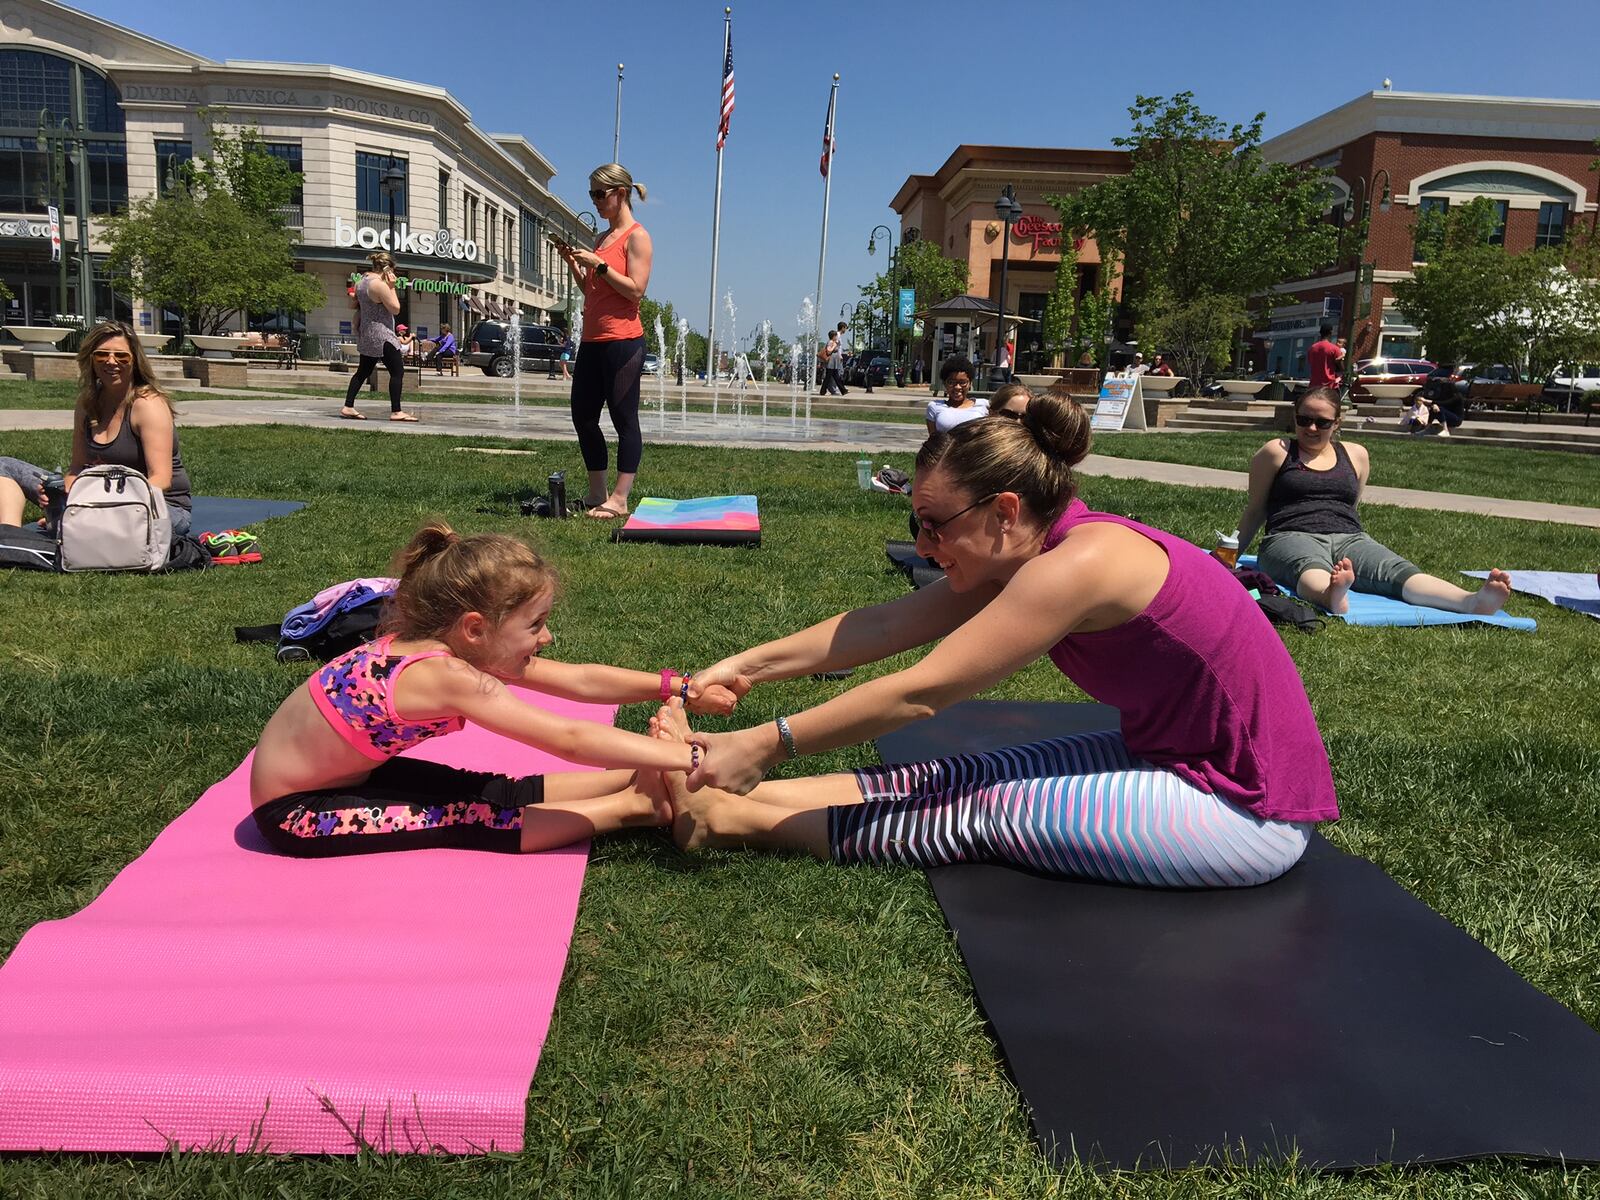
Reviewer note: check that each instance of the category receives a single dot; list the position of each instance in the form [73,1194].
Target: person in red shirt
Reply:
[1326,359]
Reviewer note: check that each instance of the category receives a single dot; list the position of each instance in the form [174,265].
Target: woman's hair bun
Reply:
[1059,426]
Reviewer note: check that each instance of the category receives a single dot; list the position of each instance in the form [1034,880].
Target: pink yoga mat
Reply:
[217,995]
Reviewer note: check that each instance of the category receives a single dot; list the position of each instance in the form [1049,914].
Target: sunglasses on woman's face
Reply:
[110,356]
[1310,422]
[599,194]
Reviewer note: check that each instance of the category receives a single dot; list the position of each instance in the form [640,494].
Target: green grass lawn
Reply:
[732,1025]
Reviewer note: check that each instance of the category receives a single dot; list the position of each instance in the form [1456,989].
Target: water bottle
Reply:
[55,499]
[864,474]
[558,493]
[1227,550]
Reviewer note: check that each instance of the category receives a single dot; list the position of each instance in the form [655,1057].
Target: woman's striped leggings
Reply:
[1074,806]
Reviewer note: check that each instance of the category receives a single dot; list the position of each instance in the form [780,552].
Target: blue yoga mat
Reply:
[1368,610]
[213,513]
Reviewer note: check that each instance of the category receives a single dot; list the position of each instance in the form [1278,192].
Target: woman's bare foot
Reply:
[1340,580]
[608,509]
[352,414]
[1492,596]
[401,416]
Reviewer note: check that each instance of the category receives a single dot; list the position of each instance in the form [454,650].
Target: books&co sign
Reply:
[435,243]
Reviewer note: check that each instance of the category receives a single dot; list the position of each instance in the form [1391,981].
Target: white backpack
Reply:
[114,521]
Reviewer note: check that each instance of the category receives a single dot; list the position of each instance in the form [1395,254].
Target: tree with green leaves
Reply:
[920,266]
[1474,302]
[1058,328]
[1199,214]
[215,244]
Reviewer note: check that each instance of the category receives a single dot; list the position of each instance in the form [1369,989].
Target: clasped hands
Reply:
[735,761]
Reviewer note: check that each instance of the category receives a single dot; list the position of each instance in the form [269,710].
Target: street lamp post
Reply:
[1008,210]
[889,307]
[1352,208]
[391,183]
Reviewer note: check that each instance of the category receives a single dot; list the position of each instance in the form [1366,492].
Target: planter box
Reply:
[220,348]
[1390,393]
[40,339]
[153,343]
[1161,385]
[1244,389]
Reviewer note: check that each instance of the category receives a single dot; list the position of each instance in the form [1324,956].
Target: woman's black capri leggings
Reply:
[393,360]
[607,376]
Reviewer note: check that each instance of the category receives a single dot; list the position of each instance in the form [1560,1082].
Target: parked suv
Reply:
[488,348]
[1414,371]
[870,365]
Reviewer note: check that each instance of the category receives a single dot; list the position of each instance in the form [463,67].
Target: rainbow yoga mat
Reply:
[219,996]
[713,520]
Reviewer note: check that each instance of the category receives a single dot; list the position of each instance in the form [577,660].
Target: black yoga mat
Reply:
[1329,1011]
[918,569]
[213,513]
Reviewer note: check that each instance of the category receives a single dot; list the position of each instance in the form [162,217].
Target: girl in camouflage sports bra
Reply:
[469,616]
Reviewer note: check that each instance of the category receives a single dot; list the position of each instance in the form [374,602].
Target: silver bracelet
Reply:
[787,737]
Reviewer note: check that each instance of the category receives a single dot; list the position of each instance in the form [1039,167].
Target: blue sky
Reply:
[916,80]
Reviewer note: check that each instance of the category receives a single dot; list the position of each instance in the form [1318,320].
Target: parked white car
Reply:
[1565,383]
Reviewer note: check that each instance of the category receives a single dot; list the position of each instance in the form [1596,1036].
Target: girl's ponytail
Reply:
[432,540]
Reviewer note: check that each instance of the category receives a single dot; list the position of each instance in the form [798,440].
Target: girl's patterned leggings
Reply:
[1077,806]
[405,804]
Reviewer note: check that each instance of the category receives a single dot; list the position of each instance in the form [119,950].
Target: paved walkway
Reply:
[253,407]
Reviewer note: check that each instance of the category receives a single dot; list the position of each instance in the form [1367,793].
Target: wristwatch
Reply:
[602,268]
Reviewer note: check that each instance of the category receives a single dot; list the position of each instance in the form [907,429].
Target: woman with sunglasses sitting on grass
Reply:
[121,419]
[1305,491]
[1218,772]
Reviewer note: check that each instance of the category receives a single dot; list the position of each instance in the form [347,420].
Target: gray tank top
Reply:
[377,323]
[126,450]
[1307,501]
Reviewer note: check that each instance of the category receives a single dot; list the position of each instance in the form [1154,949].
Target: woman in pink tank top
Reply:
[1214,780]
[613,277]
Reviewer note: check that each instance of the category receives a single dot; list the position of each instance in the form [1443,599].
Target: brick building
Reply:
[954,207]
[1531,157]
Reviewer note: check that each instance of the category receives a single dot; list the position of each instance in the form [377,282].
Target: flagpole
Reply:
[616,129]
[716,223]
[822,255]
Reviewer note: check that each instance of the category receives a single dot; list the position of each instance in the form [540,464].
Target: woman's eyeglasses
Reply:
[599,194]
[934,528]
[113,356]
[958,385]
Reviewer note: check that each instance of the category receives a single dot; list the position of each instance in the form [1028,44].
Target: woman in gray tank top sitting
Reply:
[1305,490]
[121,418]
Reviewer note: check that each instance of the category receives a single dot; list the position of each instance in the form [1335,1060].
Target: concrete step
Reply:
[1569,446]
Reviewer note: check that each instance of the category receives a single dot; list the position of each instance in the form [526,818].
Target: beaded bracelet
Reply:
[685,692]
[666,683]
[694,756]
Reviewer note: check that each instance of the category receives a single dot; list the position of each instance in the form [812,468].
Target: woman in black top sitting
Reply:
[121,418]
[1305,490]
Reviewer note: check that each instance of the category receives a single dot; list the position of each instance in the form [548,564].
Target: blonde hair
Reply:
[614,175]
[381,260]
[444,575]
[1032,456]
[87,407]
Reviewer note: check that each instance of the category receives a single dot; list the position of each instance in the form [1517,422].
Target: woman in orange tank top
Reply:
[613,277]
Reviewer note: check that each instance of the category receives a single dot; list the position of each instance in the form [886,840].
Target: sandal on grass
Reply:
[604,512]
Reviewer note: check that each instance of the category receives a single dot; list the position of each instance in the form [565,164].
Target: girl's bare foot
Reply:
[1340,580]
[649,802]
[693,813]
[1492,596]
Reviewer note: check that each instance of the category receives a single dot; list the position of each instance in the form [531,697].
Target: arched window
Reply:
[32,84]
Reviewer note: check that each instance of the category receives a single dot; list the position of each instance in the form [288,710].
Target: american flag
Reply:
[727,85]
[827,138]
